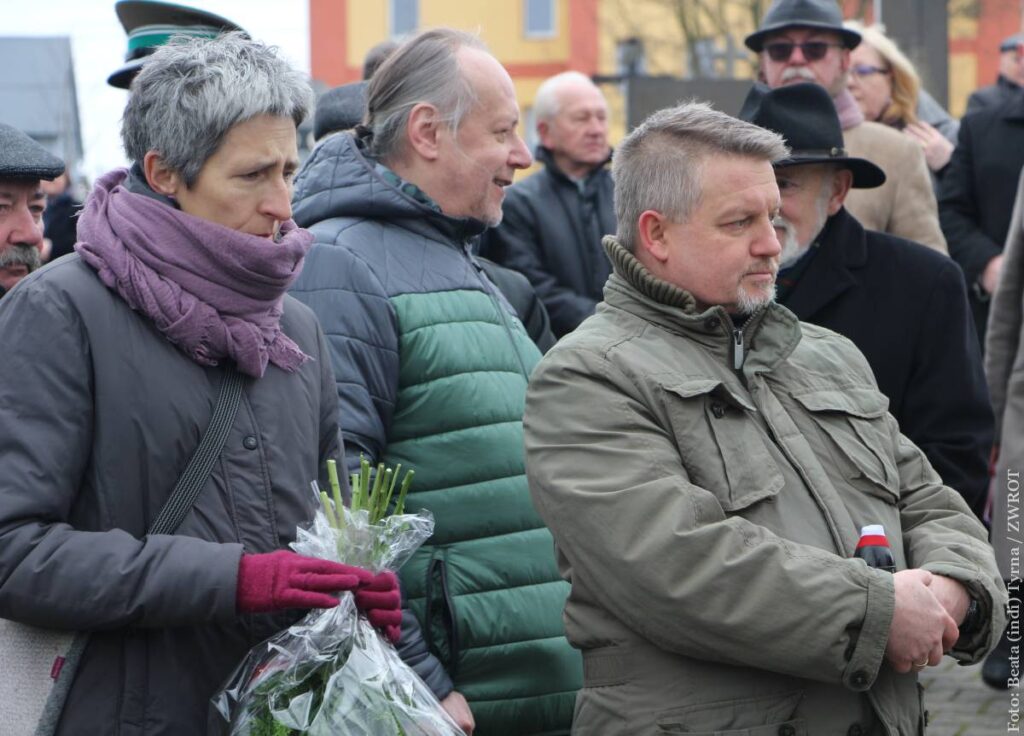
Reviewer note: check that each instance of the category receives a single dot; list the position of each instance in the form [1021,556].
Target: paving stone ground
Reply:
[960,704]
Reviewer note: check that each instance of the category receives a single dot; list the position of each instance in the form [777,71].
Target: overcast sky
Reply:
[98,45]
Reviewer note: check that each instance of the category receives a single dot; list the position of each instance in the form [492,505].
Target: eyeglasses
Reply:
[812,50]
[866,70]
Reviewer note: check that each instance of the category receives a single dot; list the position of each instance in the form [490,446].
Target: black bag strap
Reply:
[193,478]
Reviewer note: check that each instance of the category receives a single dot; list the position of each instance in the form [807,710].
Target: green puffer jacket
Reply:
[431,366]
[707,515]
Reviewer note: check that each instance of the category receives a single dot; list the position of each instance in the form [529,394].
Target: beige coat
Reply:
[905,205]
[1004,369]
[706,519]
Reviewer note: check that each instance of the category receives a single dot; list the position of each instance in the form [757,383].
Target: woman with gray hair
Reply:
[115,362]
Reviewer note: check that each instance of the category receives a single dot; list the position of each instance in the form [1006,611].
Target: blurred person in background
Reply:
[342,108]
[805,41]
[61,216]
[1010,80]
[976,196]
[888,90]
[24,166]
[554,220]
[114,358]
[1004,369]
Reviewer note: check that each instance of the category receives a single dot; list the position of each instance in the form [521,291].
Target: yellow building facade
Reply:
[535,39]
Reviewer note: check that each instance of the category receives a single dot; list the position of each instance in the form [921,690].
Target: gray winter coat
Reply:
[98,416]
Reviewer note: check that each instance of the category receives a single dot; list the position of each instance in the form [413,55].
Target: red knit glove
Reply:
[382,604]
[280,580]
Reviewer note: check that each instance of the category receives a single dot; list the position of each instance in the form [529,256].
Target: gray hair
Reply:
[546,104]
[422,70]
[192,91]
[660,165]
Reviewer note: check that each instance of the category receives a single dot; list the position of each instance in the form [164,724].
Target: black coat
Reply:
[551,233]
[523,298]
[60,224]
[905,307]
[992,95]
[977,192]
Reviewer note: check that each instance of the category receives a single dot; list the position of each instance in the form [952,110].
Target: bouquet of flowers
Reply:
[332,672]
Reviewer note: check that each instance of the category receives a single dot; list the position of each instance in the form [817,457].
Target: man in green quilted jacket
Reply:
[432,364]
[706,463]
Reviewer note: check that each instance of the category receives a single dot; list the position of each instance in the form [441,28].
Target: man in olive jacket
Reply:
[705,462]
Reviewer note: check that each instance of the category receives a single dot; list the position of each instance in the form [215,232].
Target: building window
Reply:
[630,59]
[540,18]
[405,16]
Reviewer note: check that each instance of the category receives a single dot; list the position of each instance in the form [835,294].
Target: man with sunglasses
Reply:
[805,41]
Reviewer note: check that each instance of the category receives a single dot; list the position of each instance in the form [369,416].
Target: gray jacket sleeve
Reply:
[50,573]
[1002,342]
[362,337]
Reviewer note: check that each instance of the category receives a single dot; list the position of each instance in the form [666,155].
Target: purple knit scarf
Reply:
[214,292]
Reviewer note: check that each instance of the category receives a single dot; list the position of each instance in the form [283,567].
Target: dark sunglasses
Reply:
[812,50]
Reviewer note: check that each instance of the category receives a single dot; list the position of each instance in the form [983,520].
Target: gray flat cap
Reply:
[1011,42]
[23,158]
[341,108]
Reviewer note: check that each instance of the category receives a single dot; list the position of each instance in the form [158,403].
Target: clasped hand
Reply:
[928,610]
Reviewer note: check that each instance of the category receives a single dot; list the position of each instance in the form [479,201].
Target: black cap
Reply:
[1010,43]
[150,24]
[23,158]
[818,14]
[806,117]
[341,108]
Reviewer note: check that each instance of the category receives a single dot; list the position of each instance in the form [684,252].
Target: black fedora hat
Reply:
[806,117]
[150,24]
[818,14]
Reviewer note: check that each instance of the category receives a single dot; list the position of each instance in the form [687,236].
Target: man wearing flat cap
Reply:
[706,463]
[150,24]
[805,41]
[1010,80]
[23,164]
[903,305]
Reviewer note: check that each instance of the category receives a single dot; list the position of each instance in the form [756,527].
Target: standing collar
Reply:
[771,334]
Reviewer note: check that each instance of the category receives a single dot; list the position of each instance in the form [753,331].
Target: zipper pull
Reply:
[737,350]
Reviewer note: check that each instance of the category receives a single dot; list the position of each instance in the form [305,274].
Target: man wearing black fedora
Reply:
[805,41]
[23,163]
[903,305]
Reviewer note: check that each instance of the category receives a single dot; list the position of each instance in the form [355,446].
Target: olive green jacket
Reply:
[706,518]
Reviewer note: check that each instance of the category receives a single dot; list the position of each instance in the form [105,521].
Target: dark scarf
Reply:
[214,292]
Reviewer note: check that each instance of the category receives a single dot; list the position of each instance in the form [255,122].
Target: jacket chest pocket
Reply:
[722,444]
[856,434]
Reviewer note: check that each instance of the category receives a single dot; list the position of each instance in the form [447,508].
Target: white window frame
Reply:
[552,32]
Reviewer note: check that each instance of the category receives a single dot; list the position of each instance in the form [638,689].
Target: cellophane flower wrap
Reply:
[332,672]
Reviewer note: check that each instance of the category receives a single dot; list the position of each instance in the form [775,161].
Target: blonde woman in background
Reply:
[888,89]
